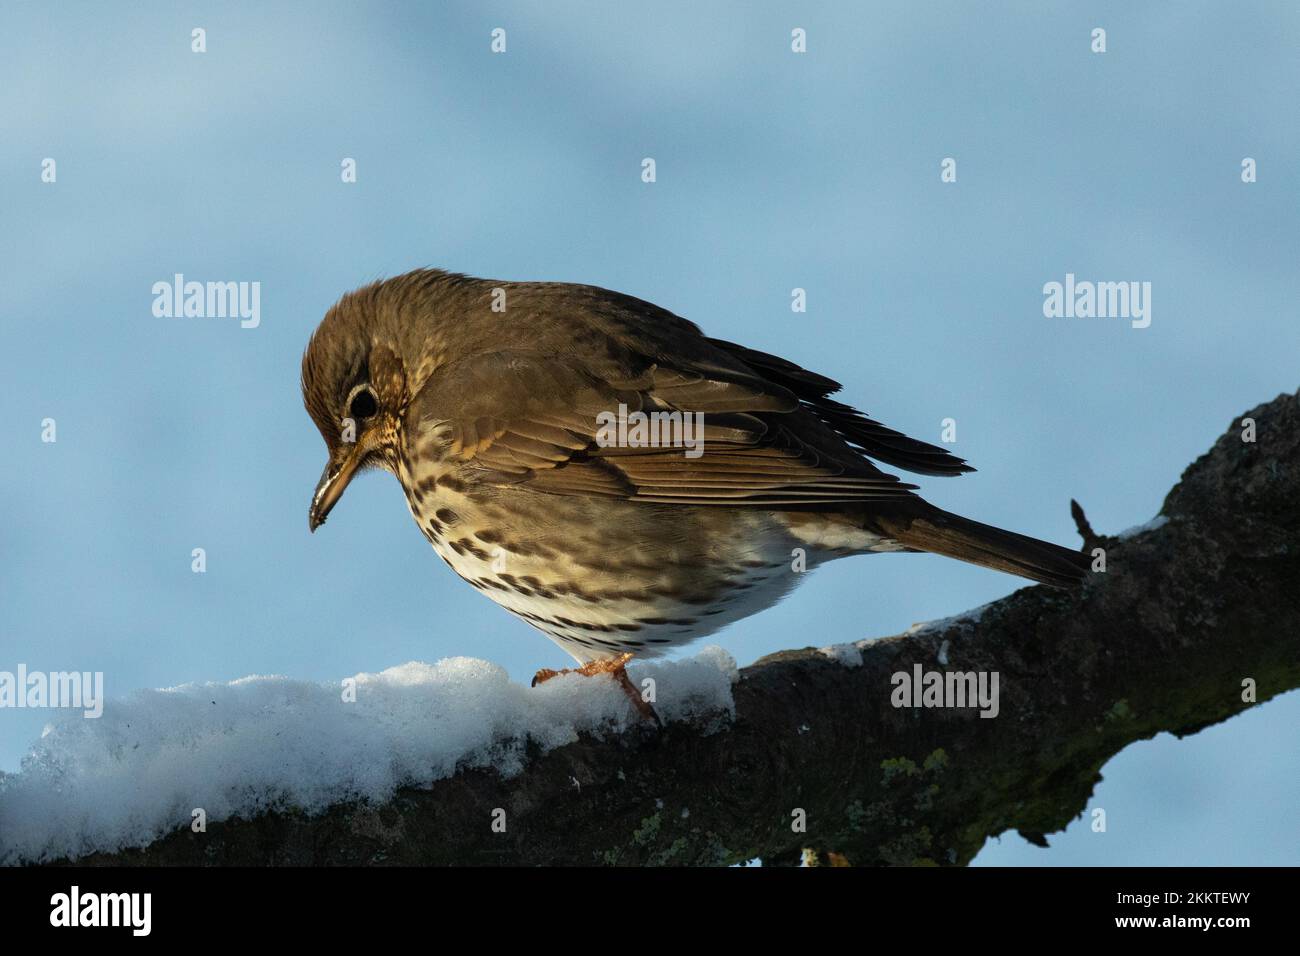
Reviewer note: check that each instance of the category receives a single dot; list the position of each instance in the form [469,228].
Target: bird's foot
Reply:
[615,666]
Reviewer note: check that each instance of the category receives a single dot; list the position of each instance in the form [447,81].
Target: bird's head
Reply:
[354,386]
[373,351]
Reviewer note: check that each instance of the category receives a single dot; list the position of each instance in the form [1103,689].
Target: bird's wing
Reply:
[524,417]
[619,332]
[872,438]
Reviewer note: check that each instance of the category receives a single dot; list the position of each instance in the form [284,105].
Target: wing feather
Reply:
[518,417]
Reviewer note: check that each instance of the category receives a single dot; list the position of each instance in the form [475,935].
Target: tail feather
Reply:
[941,532]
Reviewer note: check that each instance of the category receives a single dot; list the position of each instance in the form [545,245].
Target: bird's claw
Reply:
[616,667]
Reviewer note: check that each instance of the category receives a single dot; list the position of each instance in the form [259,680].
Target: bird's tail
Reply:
[931,529]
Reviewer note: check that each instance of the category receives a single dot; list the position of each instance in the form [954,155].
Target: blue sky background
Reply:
[775,170]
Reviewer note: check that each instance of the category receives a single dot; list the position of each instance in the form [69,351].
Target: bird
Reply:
[605,471]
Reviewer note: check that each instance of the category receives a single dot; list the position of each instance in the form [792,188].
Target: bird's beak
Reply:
[333,482]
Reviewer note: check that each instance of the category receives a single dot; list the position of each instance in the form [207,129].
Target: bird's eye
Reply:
[362,404]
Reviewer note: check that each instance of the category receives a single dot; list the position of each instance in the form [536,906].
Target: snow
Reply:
[1159,521]
[140,770]
[850,655]
[966,617]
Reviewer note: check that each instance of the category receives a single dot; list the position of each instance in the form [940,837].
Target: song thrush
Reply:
[487,400]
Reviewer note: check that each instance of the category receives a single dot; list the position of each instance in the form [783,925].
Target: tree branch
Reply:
[1161,641]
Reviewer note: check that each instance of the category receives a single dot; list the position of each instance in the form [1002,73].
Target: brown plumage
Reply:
[486,400]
